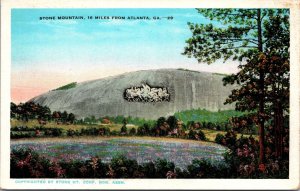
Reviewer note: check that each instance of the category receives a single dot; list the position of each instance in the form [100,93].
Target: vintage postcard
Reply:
[131,95]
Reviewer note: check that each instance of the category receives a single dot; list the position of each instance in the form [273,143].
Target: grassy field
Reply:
[35,123]
[210,134]
[142,149]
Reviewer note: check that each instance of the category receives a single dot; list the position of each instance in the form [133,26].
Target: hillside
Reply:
[175,90]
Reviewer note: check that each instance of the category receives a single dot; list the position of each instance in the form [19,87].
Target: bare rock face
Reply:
[106,97]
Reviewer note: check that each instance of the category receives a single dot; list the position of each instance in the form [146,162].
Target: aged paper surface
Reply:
[129,95]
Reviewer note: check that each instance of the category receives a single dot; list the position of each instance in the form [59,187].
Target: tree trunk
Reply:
[278,127]
[261,111]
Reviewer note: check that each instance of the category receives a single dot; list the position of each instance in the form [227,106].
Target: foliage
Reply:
[219,138]
[30,110]
[132,131]
[40,131]
[19,135]
[260,38]
[242,158]
[25,163]
[206,169]
[196,135]
[119,120]
[68,86]
[123,167]
[55,132]
[94,131]
[162,167]
[206,116]
[124,129]
[172,121]
[25,132]
[143,130]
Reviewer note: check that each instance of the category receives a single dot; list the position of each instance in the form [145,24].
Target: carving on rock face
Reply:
[146,93]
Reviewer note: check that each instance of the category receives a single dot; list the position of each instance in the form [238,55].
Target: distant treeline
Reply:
[176,125]
[30,110]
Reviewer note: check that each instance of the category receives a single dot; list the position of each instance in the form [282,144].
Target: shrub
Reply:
[123,167]
[140,131]
[21,128]
[56,132]
[114,132]
[219,138]
[89,131]
[74,169]
[95,168]
[132,131]
[18,135]
[123,130]
[24,163]
[70,132]
[144,130]
[201,135]
[149,170]
[191,134]
[162,167]
[203,169]
[230,138]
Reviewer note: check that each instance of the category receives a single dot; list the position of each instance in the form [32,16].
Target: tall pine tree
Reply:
[259,38]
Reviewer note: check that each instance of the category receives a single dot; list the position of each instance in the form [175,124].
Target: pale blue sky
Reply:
[101,42]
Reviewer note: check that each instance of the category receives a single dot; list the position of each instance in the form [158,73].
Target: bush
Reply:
[148,169]
[24,163]
[191,134]
[201,135]
[132,131]
[114,133]
[230,139]
[123,130]
[70,132]
[162,167]
[21,128]
[123,167]
[205,169]
[219,138]
[18,135]
[196,135]
[55,132]
[94,131]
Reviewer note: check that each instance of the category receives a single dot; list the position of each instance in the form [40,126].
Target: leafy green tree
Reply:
[71,117]
[124,128]
[160,121]
[247,35]
[64,116]
[172,121]
[13,110]
[132,131]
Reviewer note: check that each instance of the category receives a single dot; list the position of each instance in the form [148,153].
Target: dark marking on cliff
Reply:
[146,93]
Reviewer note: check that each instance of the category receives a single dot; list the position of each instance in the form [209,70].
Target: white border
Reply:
[273,184]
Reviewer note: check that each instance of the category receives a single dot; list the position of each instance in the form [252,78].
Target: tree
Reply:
[247,35]
[64,116]
[124,128]
[13,110]
[71,118]
[172,121]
